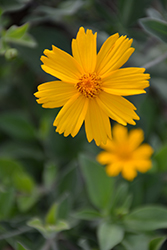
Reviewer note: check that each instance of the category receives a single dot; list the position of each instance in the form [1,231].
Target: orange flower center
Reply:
[89,85]
[124,154]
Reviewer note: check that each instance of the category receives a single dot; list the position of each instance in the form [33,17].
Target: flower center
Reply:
[124,154]
[89,85]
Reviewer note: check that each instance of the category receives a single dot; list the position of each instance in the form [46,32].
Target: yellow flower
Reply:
[125,154]
[91,85]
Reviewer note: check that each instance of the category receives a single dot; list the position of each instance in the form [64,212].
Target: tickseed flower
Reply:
[91,85]
[125,154]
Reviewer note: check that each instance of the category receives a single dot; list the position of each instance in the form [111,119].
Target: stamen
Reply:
[89,85]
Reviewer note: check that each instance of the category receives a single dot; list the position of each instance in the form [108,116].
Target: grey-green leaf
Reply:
[155,27]
[109,235]
[88,214]
[147,218]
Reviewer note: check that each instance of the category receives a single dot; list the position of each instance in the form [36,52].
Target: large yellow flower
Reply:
[91,85]
[125,154]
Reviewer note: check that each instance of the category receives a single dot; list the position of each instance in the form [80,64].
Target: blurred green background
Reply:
[53,194]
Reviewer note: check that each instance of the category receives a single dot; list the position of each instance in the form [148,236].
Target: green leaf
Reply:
[122,199]
[161,87]
[25,202]
[161,158]
[48,231]
[155,27]
[19,35]
[131,10]
[1,11]
[99,185]
[64,207]
[8,168]
[136,242]
[49,175]
[60,226]
[109,235]
[17,126]
[37,224]
[20,247]
[17,32]
[156,243]
[146,218]
[51,216]
[20,150]
[12,5]
[64,9]
[153,13]
[83,243]
[23,182]
[7,199]
[87,214]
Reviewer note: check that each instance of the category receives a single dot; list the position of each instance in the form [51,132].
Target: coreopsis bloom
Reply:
[91,85]
[125,154]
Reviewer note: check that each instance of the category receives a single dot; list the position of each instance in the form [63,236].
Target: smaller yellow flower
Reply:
[125,154]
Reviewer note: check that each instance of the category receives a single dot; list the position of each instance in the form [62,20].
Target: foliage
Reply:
[53,193]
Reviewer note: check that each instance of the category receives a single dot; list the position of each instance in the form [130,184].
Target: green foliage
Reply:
[99,185]
[156,243]
[109,235]
[52,224]
[137,242]
[146,218]
[53,194]
[21,128]
[7,203]
[161,158]
[155,27]
[20,247]
[19,35]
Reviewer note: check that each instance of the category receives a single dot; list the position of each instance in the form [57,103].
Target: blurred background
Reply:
[40,173]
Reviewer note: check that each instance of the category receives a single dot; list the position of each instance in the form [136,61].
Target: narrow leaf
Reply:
[156,243]
[155,27]
[52,215]
[88,214]
[20,247]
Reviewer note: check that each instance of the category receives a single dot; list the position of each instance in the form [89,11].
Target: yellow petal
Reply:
[70,118]
[143,165]
[117,55]
[97,125]
[136,137]
[120,134]
[114,169]
[144,151]
[105,50]
[109,146]
[54,94]
[128,171]
[84,49]
[126,81]
[117,108]
[106,158]
[61,65]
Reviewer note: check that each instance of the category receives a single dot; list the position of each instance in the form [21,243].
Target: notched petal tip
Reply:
[42,58]
[81,30]
[35,94]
